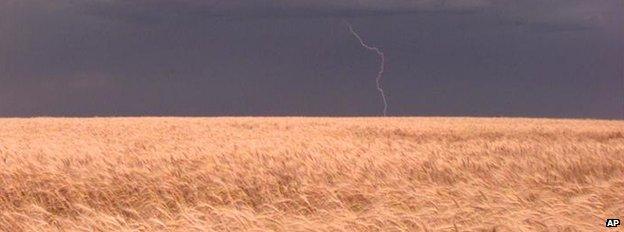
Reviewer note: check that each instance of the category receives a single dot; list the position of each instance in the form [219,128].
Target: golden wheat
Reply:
[310,174]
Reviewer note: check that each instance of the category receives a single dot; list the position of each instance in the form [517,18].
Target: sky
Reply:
[515,58]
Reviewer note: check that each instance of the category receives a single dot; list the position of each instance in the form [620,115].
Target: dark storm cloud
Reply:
[554,13]
[185,11]
[275,8]
[268,57]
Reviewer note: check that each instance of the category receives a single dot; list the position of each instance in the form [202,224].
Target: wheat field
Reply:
[310,174]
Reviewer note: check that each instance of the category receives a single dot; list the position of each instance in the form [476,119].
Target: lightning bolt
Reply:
[382,58]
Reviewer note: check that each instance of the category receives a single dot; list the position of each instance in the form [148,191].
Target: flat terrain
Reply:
[309,174]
